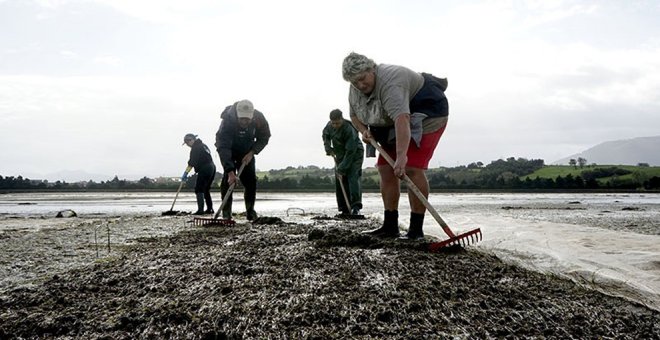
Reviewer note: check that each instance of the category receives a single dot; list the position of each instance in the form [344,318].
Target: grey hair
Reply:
[354,64]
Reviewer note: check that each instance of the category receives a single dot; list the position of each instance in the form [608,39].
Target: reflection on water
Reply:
[47,204]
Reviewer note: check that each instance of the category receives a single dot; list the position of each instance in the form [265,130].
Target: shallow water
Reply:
[607,241]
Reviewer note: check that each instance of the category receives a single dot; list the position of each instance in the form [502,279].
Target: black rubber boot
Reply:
[200,203]
[390,226]
[209,203]
[226,211]
[415,231]
[250,214]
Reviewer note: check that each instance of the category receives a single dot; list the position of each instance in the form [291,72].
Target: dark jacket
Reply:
[200,155]
[345,143]
[233,143]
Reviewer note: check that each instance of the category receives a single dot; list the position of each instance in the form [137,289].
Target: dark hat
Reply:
[188,136]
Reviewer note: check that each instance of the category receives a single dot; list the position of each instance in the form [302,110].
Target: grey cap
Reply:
[188,137]
[244,109]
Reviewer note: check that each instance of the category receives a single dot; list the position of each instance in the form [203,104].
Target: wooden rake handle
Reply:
[341,185]
[229,191]
[177,195]
[415,190]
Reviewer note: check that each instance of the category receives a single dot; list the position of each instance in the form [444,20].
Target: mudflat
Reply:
[273,279]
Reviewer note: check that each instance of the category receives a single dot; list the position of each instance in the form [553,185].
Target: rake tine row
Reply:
[453,239]
[201,222]
[465,239]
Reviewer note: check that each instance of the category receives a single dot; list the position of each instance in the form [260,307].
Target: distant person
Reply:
[406,112]
[243,133]
[202,162]
[342,142]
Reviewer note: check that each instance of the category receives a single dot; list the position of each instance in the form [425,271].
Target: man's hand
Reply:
[366,136]
[184,176]
[231,179]
[400,165]
[248,157]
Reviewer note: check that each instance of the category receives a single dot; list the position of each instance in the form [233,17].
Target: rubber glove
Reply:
[185,173]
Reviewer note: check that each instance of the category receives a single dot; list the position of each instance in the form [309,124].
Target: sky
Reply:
[90,89]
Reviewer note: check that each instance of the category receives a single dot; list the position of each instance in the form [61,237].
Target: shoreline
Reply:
[296,280]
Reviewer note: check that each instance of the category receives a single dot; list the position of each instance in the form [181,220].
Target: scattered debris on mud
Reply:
[319,280]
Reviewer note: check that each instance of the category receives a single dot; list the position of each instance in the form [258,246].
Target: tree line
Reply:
[503,174]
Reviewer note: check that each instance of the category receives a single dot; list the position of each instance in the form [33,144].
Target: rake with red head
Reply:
[215,221]
[463,239]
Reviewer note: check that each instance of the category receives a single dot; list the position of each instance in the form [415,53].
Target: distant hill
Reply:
[621,152]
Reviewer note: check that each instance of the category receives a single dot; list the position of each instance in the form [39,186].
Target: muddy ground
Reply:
[318,280]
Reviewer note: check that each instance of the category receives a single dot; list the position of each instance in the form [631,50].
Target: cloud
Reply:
[111,86]
[109,60]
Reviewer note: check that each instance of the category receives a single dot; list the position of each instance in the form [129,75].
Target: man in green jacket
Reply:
[341,141]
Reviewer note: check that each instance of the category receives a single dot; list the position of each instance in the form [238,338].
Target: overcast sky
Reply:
[111,86]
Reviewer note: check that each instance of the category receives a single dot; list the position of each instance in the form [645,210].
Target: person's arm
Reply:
[350,137]
[262,134]
[224,139]
[402,130]
[193,161]
[327,144]
[363,129]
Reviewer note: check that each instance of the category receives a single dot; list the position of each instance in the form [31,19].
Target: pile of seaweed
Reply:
[324,280]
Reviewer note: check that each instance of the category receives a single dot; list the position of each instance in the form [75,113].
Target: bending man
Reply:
[243,133]
[406,112]
[342,142]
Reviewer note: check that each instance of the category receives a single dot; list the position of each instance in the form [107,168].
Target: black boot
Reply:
[250,214]
[390,226]
[209,203]
[200,203]
[226,208]
[415,231]
[226,211]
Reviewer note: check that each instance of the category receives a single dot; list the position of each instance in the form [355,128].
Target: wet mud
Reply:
[318,280]
[641,219]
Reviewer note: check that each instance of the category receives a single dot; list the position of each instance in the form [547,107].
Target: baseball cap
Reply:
[187,137]
[244,109]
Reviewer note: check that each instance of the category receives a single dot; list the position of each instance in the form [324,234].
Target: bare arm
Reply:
[402,129]
[366,135]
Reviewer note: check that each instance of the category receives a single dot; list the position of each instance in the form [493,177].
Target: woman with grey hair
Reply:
[406,112]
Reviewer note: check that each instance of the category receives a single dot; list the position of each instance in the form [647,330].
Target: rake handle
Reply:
[177,195]
[415,190]
[229,192]
[341,184]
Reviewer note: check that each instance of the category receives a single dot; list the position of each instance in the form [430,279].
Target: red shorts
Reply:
[418,157]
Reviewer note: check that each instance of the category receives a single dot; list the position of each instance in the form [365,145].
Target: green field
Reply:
[553,171]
